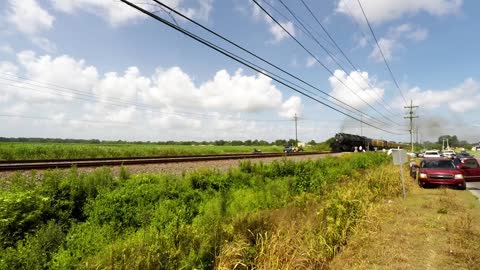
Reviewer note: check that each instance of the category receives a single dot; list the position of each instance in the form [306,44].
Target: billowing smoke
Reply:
[431,127]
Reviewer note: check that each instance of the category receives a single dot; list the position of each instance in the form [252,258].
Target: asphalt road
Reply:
[474,187]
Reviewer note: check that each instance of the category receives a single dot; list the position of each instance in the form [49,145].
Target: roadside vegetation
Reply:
[22,151]
[282,215]
[431,229]
[266,216]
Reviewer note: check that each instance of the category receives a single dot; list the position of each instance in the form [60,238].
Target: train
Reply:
[344,142]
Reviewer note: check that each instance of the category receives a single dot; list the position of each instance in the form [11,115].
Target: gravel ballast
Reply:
[183,167]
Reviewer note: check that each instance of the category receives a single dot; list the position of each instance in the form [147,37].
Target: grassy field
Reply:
[21,151]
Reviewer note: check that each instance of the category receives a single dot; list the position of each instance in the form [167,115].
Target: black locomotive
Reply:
[347,142]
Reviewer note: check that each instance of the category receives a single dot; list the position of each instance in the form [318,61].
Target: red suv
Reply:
[440,171]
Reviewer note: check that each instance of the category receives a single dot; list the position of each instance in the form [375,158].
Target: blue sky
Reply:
[99,69]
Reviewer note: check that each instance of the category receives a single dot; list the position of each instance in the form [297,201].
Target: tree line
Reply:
[279,142]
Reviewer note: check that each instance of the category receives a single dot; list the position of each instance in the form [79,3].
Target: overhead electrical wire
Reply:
[387,107]
[231,56]
[381,52]
[268,63]
[67,119]
[327,41]
[377,98]
[320,62]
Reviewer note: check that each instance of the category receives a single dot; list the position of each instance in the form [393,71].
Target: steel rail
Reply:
[62,163]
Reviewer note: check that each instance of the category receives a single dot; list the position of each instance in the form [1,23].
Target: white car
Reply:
[449,153]
[431,153]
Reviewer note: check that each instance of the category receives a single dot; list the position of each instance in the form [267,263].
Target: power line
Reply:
[267,62]
[113,101]
[357,24]
[237,59]
[344,55]
[266,2]
[320,62]
[381,52]
[191,115]
[68,119]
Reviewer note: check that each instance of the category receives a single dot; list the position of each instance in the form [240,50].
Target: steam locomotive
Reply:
[347,142]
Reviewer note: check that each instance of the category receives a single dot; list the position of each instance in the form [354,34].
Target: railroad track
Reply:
[19,165]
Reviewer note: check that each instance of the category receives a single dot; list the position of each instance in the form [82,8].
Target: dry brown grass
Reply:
[303,236]
[432,229]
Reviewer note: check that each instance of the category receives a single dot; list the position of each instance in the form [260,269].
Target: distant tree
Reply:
[219,142]
[280,142]
[452,140]
[330,141]
[235,143]
[312,142]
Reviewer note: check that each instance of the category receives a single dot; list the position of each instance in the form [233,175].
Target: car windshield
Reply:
[447,164]
[431,153]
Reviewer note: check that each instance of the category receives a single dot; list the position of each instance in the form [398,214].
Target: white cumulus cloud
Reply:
[395,39]
[276,30]
[169,98]
[62,70]
[462,98]
[28,16]
[354,88]
[117,13]
[387,10]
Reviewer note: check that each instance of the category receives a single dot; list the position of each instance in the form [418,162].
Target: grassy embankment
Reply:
[20,151]
[431,229]
[284,215]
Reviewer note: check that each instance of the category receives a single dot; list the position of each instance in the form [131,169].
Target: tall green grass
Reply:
[23,151]
[202,220]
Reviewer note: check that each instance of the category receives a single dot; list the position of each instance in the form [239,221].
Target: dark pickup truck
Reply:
[442,171]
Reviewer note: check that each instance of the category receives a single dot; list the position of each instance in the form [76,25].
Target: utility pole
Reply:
[361,124]
[411,116]
[416,136]
[296,133]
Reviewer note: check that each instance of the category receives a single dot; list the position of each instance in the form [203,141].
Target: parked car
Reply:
[256,151]
[412,154]
[431,154]
[449,154]
[463,155]
[288,149]
[439,171]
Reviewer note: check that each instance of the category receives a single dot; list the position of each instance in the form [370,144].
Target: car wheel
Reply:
[462,187]
[420,184]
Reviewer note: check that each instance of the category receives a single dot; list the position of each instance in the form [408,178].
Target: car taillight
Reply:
[459,176]
[423,175]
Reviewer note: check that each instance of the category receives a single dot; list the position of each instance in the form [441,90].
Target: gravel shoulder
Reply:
[181,168]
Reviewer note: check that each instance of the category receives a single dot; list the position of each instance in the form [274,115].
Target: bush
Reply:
[162,222]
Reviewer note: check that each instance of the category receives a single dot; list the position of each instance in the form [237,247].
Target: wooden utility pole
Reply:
[411,116]
[296,133]
[361,124]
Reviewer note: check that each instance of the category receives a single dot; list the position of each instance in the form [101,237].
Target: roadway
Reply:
[474,187]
